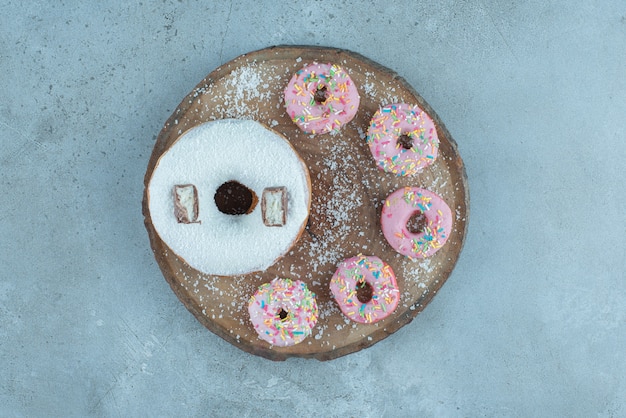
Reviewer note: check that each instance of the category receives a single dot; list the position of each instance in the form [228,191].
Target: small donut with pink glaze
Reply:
[321,98]
[401,206]
[283,312]
[365,288]
[403,139]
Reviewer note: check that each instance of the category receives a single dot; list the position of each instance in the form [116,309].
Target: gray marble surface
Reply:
[532,321]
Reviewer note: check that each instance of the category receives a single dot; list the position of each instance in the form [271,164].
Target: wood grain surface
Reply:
[348,191]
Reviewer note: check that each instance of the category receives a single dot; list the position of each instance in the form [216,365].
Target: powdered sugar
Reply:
[208,156]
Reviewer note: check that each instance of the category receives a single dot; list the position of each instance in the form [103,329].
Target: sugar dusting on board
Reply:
[239,93]
[348,193]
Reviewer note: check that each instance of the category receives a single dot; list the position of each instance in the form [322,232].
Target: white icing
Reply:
[209,155]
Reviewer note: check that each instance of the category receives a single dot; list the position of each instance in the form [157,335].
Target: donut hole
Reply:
[405,141]
[364,291]
[417,223]
[320,95]
[282,314]
[233,198]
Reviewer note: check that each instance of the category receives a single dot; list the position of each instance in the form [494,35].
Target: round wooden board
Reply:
[348,191]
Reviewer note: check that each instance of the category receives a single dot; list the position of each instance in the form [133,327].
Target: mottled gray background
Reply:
[532,321]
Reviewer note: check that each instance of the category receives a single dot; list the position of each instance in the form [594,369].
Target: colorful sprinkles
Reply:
[400,206]
[394,121]
[283,311]
[340,104]
[351,274]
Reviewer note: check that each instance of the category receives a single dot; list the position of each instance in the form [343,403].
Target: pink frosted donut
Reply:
[320,98]
[402,139]
[400,206]
[283,312]
[365,288]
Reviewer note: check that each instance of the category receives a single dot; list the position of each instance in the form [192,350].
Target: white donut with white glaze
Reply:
[209,156]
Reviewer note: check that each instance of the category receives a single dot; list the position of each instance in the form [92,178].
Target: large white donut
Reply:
[208,156]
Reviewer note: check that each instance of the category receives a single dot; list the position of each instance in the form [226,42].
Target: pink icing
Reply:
[283,312]
[394,120]
[350,275]
[341,98]
[398,209]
